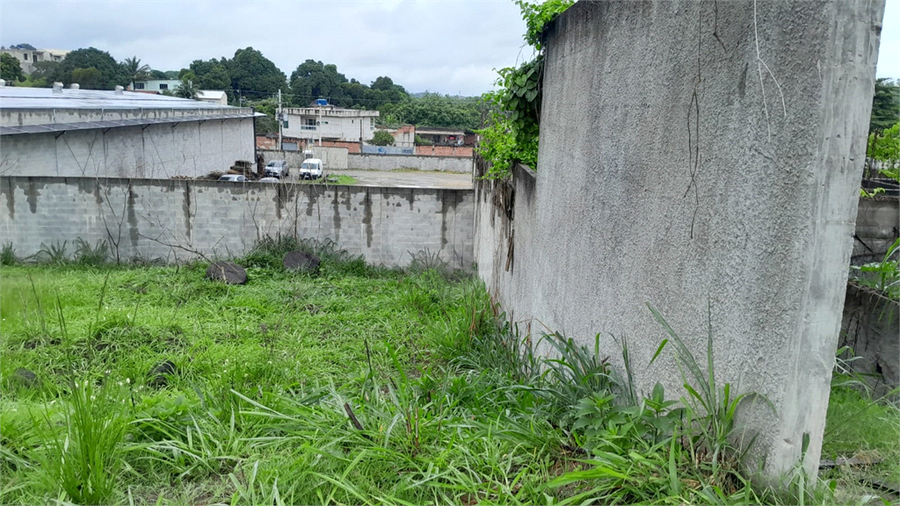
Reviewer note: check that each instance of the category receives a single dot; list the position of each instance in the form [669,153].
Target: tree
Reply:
[885,105]
[42,74]
[10,69]
[158,75]
[314,79]
[90,78]
[382,138]
[436,111]
[187,89]
[212,75]
[110,72]
[253,74]
[135,71]
[382,83]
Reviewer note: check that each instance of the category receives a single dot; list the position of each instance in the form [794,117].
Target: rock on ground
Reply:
[301,261]
[227,272]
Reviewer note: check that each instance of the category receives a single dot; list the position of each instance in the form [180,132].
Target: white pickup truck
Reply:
[312,168]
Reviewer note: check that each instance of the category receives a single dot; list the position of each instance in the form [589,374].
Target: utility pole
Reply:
[280,117]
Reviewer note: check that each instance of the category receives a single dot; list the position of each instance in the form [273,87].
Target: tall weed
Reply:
[8,254]
[84,458]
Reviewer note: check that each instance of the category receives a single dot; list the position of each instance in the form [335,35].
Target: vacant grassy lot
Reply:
[356,385]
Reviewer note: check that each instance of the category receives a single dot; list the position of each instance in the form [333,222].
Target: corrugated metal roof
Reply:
[44,98]
[89,125]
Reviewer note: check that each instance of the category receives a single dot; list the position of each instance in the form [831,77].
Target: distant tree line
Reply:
[251,79]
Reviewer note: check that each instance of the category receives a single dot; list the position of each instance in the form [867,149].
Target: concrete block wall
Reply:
[393,162]
[676,170]
[191,149]
[172,219]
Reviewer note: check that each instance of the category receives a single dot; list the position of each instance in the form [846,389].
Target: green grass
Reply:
[860,427]
[355,385]
[341,179]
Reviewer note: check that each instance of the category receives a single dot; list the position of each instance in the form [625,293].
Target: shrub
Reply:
[382,138]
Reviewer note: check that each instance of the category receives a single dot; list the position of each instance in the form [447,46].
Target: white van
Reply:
[312,168]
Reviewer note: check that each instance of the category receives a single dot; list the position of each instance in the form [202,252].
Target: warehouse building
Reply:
[97,133]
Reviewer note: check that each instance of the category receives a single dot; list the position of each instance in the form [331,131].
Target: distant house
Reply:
[28,57]
[442,136]
[405,136]
[329,123]
[213,97]
[156,85]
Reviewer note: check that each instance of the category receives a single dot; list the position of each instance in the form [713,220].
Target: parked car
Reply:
[312,168]
[269,180]
[237,178]
[277,168]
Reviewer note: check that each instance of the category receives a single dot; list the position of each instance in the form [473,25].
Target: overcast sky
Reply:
[444,46]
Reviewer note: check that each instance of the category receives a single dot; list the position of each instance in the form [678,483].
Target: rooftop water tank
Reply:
[321,101]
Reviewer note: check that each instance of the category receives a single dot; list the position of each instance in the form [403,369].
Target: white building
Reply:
[213,97]
[157,85]
[28,57]
[329,123]
[72,132]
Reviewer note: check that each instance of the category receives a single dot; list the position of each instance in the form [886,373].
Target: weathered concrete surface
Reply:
[877,227]
[871,327]
[179,219]
[705,158]
[391,162]
[192,148]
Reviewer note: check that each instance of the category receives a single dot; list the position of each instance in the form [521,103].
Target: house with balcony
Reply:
[438,136]
[325,122]
[28,57]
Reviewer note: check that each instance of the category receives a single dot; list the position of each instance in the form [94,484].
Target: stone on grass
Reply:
[159,375]
[301,261]
[227,272]
[25,377]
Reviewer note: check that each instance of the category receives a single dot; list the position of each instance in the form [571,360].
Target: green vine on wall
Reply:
[512,134]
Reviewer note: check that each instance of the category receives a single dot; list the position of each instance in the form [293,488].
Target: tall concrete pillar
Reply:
[705,158]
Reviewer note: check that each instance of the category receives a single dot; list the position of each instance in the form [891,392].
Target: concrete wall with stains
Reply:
[169,219]
[393,162]
[703,158]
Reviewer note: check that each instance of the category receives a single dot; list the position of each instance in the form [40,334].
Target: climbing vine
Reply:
[512,134]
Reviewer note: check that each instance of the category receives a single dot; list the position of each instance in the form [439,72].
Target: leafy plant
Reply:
[53,254]
[884,147]
[8,254]
[515,106]
[86,254]
[84,459]
[883,276]
[714,407]
[537,16]
[382,138]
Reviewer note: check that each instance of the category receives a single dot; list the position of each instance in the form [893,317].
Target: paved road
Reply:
[411,179]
